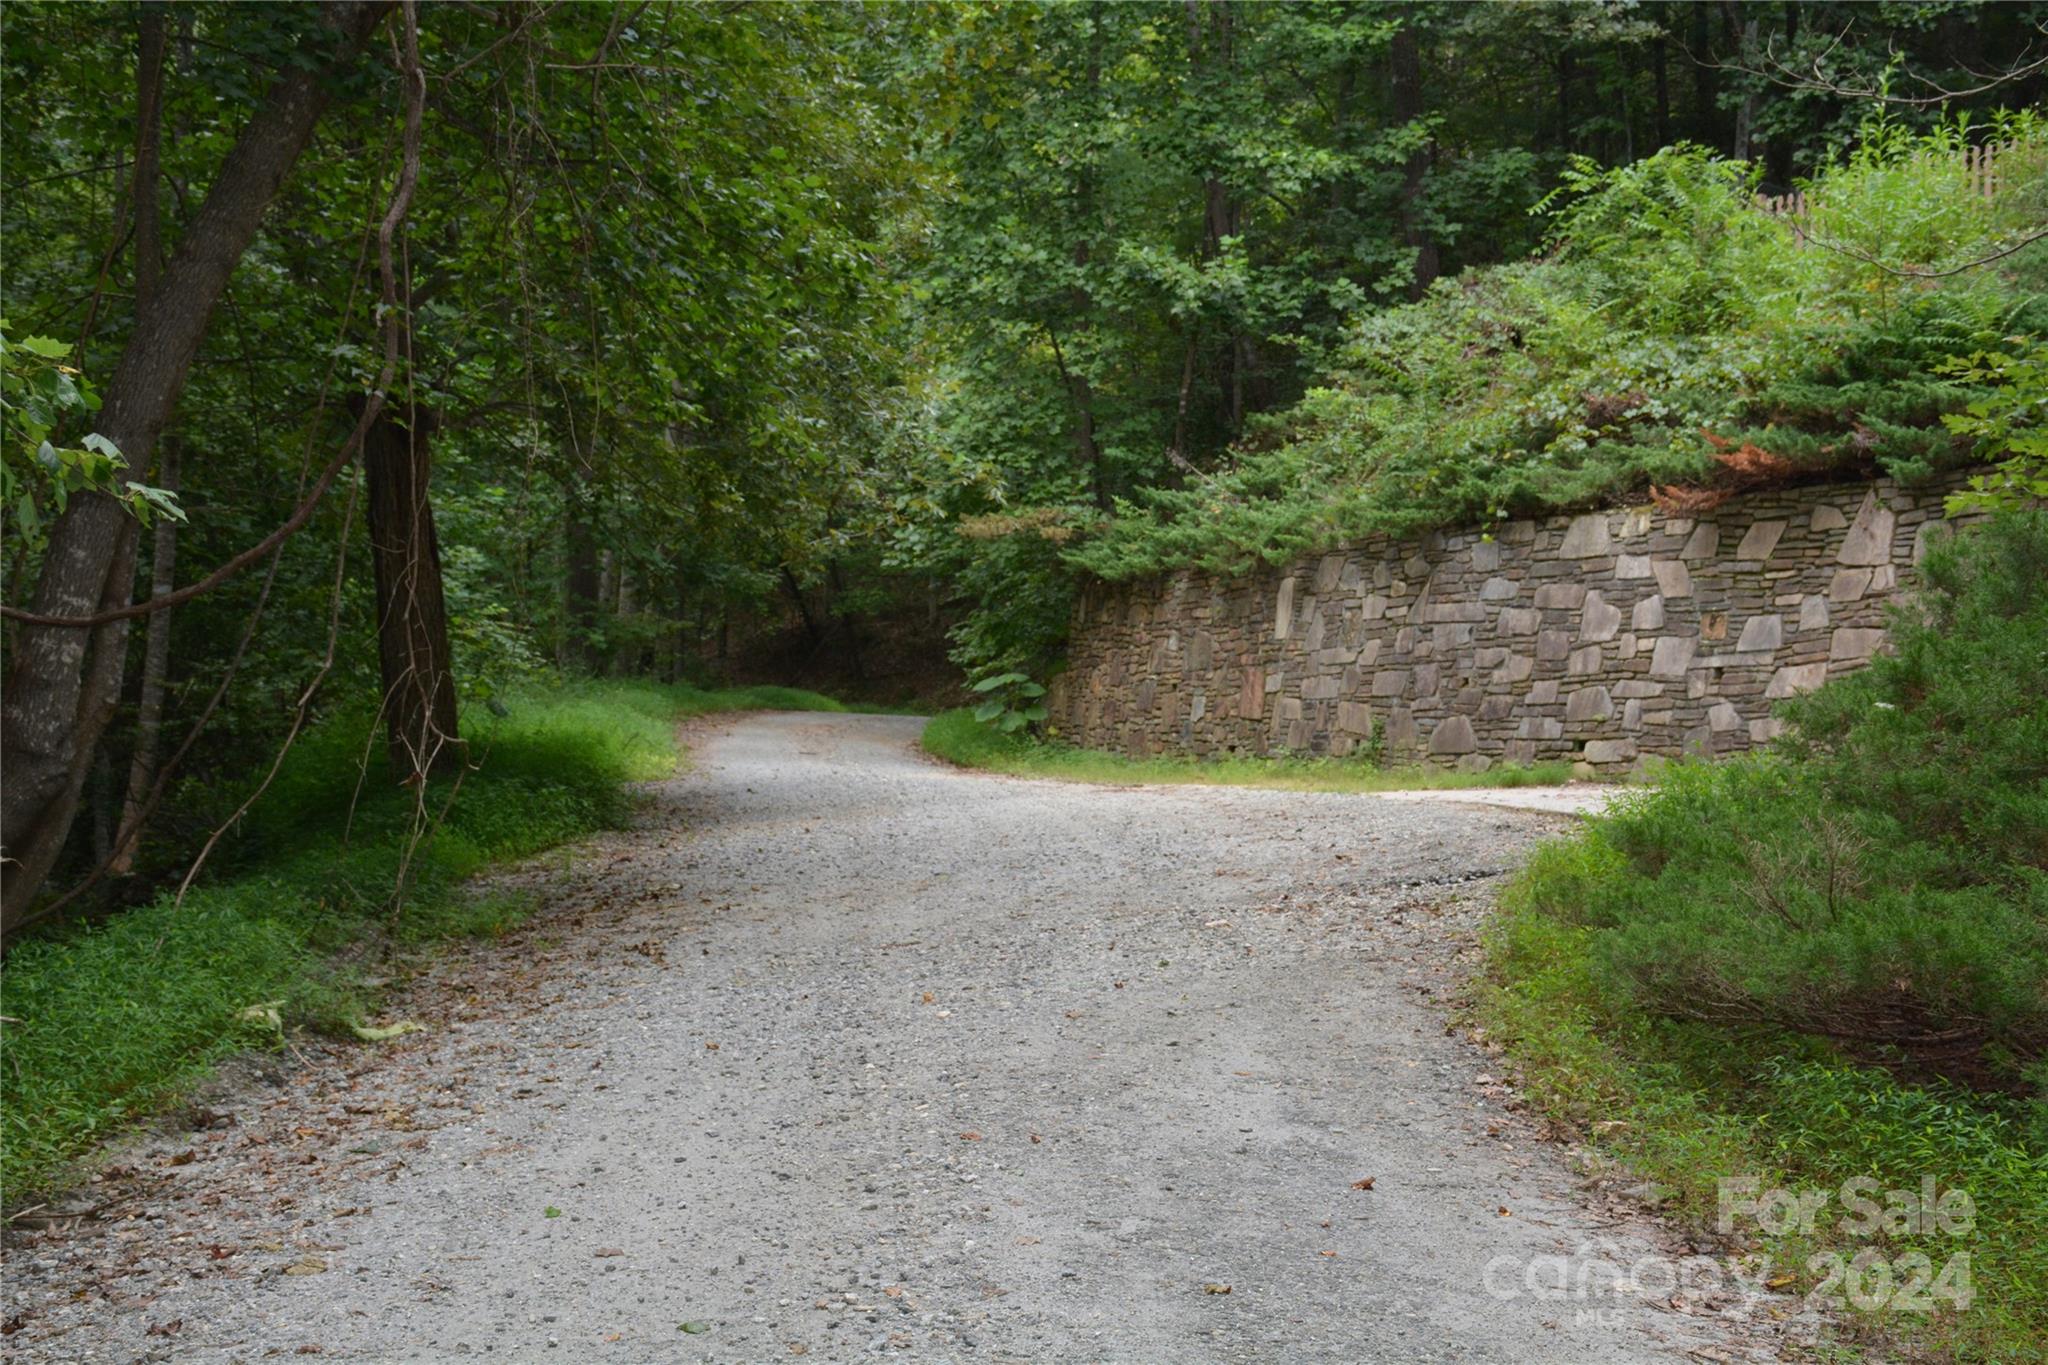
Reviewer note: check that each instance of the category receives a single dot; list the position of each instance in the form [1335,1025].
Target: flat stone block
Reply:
[1498,589]
[1632,566]
[1598,620]
[1869,540]
[1561,596]
[1849,585]
[1390,682]
[1586,537]
[1760,539]
[1453,735]
[1355,717]
[1672,656]
[1703,543]
[1648,614]
[1827,518]
[1610,750]
[1793,679]
[1813,612]
[1854,643]
[1588,703]
[1761,633]
[1518,620]
[1673,578]
[1584,661]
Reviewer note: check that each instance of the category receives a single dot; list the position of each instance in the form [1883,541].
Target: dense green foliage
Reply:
[1670,331]
[115,1017]
[1722,953]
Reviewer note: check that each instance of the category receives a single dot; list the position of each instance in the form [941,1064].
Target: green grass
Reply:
[1683,1104]
[116,1018]
[958,738]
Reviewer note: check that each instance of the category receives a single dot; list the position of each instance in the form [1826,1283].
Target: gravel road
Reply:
[844,1054]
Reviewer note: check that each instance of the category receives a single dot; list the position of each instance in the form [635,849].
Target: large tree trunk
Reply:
[163,559]
[412,614]
[61,689]
[1407,91]
[580,585]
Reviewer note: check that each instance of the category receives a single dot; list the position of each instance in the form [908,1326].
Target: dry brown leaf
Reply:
[970,1137]
[1215,1289]
[1364,1184]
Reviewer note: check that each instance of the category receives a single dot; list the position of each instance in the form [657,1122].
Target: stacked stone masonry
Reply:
[1607,639]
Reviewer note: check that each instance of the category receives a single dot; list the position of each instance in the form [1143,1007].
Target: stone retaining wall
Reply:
[1603,639]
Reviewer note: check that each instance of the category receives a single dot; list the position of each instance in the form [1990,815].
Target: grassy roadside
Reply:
[960,739]
[114,1019]
[1830,963]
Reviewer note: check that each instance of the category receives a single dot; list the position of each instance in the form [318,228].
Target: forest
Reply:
[411,409]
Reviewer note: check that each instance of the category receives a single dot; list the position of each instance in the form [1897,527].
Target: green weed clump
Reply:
[1830,961]
[957,737]
[114,1017]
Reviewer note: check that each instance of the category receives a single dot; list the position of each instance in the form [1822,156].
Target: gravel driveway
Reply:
[845,1054]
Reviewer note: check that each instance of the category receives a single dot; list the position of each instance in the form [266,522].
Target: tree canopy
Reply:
[585,330]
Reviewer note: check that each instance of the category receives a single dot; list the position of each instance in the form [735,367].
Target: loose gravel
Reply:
[844,1054]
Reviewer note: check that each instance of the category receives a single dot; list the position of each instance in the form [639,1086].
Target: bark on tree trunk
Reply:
[418,669]
[580,587]
[1407,81]
[163,559]
[156,666]
[64,681]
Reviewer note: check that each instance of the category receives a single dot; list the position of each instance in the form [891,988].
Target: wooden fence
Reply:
[1980,174]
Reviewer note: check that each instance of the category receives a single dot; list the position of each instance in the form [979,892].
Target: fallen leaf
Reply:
[711,1047]
[929,997]
[1036,1138]
[306,1265]
[894,1291]
[311,1348]
[1330,1254]
[1504,1212]
[183,1158]
[1781,1281]
[1215,1289]
[551,1212]
[695,1329]
[163,1329]
[1118,984]
[609,1251]
[372,1034]
[970,1137]
[1364,1184]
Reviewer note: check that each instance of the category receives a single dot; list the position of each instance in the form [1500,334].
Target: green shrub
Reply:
[1669,329]
[1830,960]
